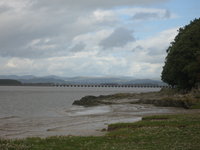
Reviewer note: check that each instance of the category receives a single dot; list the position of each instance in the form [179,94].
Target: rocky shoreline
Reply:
[162,98]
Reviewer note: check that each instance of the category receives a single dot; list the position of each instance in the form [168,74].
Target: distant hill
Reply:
[42,80]
[110,80]
[9,82]
[146,81]
[33,79]
[81,80]
[15,77]
[96,80]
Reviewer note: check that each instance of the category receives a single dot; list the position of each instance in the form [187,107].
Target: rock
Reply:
[87,101]
[142,98]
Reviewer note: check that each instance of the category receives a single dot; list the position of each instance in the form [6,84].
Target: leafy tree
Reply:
[182,64]
[6,82]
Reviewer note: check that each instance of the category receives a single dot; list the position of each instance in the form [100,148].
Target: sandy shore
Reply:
[79,121]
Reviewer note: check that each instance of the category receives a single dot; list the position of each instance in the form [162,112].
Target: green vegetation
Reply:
[166,97]
[92,100]
[163,132]
[182,66]
[6,82]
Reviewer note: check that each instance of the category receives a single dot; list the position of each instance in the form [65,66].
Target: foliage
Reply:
[6,82]
[182,65]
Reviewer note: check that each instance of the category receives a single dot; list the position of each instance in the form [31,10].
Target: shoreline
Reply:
[93,114]
[152,132]
[163,98]
[90,121]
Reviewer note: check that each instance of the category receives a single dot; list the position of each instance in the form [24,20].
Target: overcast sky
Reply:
[90,37]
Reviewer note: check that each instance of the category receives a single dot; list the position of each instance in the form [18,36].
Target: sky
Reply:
[90,37]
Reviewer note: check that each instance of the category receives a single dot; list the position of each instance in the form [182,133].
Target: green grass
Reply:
[163,132]
[196,106]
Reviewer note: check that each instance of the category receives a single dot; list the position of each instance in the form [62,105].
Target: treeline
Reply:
[182,64]
[9,82]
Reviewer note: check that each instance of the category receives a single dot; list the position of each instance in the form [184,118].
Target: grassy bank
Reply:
[164,132]
[165,97]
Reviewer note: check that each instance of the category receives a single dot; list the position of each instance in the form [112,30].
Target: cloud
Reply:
[146,61]
[78,47]
[145,13]
[159,44]
[153,49]
[137,48]
[161,14]
[119,38]
[71,38]
[18,31]
[91,4]
[60,21]
[4,9]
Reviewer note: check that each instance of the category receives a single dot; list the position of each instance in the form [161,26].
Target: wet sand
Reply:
[78,120]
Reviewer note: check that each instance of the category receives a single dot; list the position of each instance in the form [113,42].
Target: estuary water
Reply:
[28,111]
[30,101]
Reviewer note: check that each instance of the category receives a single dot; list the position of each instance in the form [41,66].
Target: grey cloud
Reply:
[137,48]
[119,38]
[91,4]
[154,55]
[167,14]
[151,15]
[4,9]
[19,30]
[150,54]
[144,16]
[154,51]
[18,33]
[157,59]
[78,47]
[56,20]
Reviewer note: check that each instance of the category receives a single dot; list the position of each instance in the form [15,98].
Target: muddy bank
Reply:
[79,120]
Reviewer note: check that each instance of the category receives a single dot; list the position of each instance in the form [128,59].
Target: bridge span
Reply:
[113,86]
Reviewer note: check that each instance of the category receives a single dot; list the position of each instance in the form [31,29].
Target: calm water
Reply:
[25,101]
[48,111]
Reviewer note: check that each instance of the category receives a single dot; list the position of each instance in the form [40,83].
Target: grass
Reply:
[196,106]
[166,97]
[163,132]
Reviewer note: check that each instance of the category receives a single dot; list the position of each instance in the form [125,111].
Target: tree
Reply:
[182,64]
[7,82]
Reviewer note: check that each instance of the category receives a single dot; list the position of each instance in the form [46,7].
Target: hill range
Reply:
[30,79]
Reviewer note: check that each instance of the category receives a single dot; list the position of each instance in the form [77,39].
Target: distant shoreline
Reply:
[85,85]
